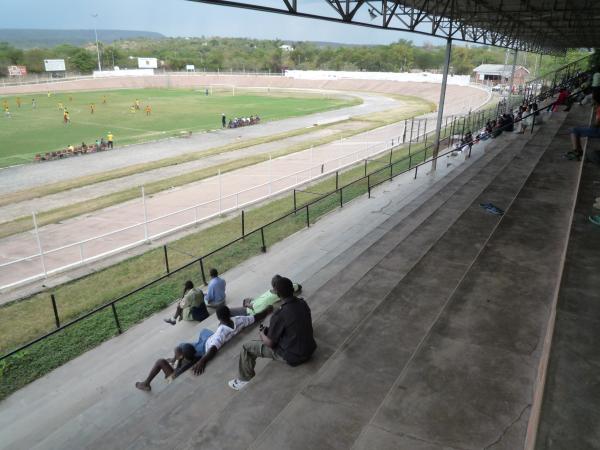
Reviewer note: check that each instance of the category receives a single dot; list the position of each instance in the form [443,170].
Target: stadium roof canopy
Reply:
[548,26]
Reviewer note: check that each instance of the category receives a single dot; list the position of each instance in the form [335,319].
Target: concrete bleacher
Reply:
[430,328]
[571,410]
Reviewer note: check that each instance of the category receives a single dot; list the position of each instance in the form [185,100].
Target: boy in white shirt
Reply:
[205,348]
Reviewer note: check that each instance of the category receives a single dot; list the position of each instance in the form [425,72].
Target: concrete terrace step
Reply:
[571,405]
[349,388]
[471,383]
[107,419]
[108,407]
[152,430]
[304,420]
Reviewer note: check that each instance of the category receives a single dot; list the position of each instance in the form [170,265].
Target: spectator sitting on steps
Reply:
[577,133]
[263,301]
[289,338]
[215,295]
[191,306]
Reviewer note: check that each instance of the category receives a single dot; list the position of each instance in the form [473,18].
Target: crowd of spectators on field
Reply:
[100,145]
[238,122]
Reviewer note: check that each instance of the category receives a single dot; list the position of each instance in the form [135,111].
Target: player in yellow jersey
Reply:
[104,99]
[18,102]
[92,108]
[61,106]
[137,104]
[6,112]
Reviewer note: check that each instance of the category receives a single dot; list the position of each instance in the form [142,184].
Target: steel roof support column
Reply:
[512,82]
[438,125]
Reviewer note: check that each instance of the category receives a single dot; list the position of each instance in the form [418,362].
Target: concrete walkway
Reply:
[91,402]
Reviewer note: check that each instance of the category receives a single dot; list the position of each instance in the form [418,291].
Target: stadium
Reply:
[409,209]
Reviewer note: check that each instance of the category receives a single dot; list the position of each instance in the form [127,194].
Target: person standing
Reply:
[215,295]
[289,338]
[223,120]
[92,108]
[148,110]
[110,139]
[33,104]
[18,102]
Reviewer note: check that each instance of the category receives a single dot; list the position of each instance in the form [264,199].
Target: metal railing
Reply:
[549,82]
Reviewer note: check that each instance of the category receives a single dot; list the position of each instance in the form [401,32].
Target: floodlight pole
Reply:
[95,16]
[440,116]
[512,81]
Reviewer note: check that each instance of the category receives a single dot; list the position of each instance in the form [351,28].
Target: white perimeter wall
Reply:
[424,77]
[123,73]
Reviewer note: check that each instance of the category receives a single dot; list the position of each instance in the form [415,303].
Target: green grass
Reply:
[24,320]
[41,130]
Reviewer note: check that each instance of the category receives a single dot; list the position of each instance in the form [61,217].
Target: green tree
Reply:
[83,61]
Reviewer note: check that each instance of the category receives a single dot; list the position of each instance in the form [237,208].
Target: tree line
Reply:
[252,55]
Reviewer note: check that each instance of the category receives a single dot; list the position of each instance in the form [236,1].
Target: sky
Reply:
[184,18]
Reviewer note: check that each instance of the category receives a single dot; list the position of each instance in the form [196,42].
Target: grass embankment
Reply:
[411,106]
[21,321]
[39,130]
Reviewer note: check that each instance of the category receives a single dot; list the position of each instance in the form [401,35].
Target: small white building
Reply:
[286,48]
[500,74]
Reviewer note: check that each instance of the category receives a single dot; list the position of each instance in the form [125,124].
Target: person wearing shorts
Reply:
[577,133]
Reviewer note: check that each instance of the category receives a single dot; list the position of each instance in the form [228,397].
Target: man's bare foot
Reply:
[143,386]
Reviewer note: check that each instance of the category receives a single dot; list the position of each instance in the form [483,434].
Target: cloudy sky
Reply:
[183,18]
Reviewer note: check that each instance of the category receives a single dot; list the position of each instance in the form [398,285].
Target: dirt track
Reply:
[427,91]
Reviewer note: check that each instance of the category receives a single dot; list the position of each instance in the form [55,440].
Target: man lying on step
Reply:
[197,355]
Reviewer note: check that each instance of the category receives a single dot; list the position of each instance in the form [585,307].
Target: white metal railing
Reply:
[263,191]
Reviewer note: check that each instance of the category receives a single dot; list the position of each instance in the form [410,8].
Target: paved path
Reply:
[123,226]
[90,396]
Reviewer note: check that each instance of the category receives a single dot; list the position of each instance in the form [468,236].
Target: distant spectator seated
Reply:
[563,99]
[577,133]
[215,295]
[289,338]
[191,306]
[263,301]
[467,141]
[197,355]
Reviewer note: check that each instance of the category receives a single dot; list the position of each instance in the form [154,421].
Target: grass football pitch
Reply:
[29,131]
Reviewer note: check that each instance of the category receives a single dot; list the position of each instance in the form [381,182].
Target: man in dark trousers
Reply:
[289,338]
[223,120]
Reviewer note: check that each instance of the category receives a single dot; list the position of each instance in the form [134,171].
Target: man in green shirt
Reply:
[263,301]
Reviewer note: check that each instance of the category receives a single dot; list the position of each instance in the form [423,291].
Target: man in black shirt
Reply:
[289,337]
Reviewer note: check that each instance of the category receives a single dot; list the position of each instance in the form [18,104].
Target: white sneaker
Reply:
[236,384]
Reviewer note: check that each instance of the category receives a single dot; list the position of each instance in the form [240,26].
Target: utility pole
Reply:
[95,16]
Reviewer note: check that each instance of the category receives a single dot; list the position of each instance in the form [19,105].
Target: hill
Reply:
[35,38]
